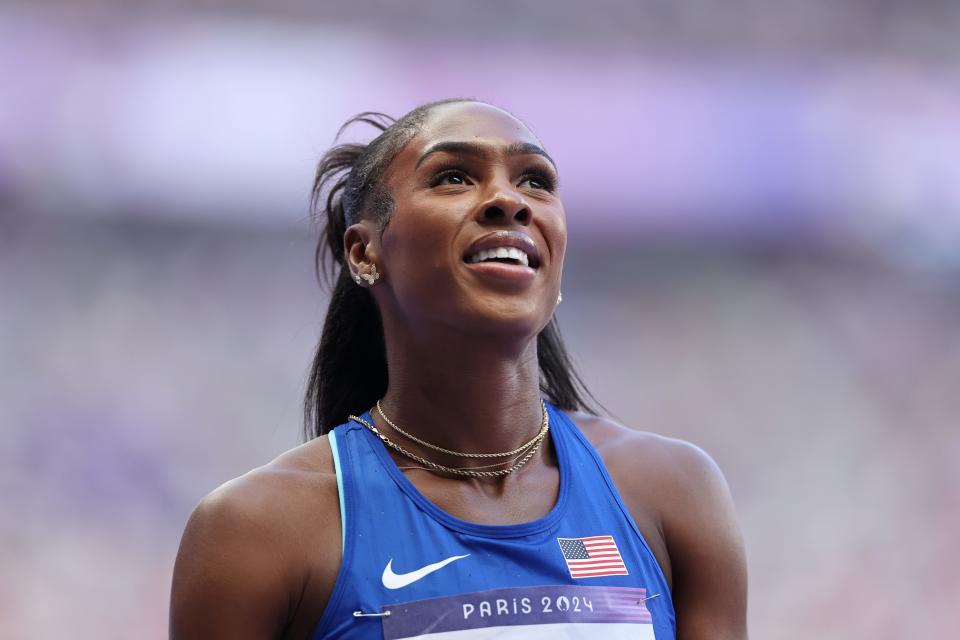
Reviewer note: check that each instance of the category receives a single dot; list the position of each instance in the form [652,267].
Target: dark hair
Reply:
[349,370]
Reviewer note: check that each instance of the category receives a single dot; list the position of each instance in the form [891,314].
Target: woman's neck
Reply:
[465,394]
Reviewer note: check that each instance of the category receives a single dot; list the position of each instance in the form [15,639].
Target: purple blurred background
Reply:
[764,209]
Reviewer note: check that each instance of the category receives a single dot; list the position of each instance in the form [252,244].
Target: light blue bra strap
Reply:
[332,437]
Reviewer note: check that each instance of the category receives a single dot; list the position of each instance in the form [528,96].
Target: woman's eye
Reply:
[450,178]
[538,182]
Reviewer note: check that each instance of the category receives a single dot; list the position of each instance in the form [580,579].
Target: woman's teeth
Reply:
[509,253]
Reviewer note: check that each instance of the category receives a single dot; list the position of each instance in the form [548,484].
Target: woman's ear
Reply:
[361,249]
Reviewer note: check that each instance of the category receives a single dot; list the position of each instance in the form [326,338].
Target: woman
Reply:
[449,236]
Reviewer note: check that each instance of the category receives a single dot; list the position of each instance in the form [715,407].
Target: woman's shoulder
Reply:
[648,456]
[659,473]
[300,484]
[254,543]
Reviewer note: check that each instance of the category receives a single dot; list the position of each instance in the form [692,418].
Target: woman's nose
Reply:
[506,206]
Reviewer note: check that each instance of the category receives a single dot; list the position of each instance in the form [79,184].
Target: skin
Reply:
[461,348]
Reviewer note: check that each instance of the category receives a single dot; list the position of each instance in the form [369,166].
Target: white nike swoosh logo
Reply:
[393,580]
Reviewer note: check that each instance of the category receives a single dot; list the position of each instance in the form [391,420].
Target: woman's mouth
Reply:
[506,255]
[506,247]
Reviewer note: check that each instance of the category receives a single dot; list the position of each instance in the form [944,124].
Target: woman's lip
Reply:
[504,272]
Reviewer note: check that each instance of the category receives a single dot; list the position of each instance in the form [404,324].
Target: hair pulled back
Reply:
[349,369]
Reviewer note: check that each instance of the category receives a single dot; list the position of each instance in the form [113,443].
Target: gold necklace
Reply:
[505,454]
[482,466]
[433,466]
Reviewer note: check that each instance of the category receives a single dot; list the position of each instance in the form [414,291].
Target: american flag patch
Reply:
[592,557]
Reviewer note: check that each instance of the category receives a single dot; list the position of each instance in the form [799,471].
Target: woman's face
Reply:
[477,235]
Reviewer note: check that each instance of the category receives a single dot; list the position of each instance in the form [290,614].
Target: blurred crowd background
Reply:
[764,213]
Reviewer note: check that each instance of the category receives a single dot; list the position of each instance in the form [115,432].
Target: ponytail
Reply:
[349,368]
[349,371]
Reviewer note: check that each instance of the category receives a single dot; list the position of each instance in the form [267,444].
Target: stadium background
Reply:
[764,210]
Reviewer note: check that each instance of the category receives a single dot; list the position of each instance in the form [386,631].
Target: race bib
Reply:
[527,613]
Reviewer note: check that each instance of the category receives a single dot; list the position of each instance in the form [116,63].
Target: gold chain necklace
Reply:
[506,454]
[433,466]
[482,466]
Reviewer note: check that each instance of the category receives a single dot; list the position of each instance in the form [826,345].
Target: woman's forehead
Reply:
[472,122]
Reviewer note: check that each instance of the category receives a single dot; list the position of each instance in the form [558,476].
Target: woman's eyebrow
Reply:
[475,149]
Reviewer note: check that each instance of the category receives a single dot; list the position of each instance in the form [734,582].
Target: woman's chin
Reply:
[516,318]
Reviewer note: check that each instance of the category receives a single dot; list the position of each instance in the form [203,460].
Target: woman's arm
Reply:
[706,551]
[259,555]
[229,580]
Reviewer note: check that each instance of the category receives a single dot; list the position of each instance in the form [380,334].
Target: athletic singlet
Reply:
[582,571]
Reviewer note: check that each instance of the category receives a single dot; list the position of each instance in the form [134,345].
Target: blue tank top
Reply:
[411,570]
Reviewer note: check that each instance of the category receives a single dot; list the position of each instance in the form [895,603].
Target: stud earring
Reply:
[559,297]
[371,277]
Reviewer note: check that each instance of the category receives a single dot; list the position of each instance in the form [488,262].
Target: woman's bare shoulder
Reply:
[251,546]
[647,454]
[300,484]
[661,476]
